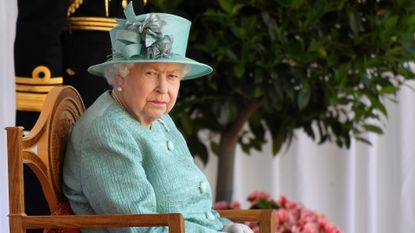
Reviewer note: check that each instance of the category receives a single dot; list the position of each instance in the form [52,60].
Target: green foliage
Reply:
[322,66]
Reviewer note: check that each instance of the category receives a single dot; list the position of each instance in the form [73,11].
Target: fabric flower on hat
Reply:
[155,44]
[142,38]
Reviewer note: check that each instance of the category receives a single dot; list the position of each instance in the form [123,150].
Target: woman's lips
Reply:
[158,102]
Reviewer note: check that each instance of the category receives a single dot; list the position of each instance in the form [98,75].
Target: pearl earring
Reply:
[119,89]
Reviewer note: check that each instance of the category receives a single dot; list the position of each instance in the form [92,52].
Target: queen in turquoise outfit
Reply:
[125,155]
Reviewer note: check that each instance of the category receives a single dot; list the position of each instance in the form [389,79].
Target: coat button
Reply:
[209,215]
[203,187]
[170,146]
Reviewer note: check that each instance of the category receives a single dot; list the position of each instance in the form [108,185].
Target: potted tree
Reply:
[322,66]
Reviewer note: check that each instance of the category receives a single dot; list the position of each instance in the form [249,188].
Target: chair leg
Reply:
[267,223]
[176,223]
[16,225]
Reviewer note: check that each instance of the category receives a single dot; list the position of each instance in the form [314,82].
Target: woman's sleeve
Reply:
[113,177]
[223,220]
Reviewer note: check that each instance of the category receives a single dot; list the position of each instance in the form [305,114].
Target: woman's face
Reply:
[150,89]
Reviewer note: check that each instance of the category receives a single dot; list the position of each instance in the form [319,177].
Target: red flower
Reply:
[251,224]
[235,205]
[220,205]
[283,200]
[258,195]
[282,215]
[290,217]
[310,227]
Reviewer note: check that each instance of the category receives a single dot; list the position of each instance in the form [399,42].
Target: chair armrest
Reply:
[265,218]
[174,221]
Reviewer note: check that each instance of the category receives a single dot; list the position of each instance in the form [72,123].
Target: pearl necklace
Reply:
[115,97]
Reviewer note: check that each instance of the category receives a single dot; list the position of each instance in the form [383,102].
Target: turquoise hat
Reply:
[154,37]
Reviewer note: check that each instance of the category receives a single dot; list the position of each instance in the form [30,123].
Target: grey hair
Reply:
[123,69]
[186,69]
[112,71]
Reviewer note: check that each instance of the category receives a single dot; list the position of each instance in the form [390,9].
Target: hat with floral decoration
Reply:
[153,37]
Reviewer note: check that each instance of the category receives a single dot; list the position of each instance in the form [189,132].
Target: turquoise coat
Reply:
[115,165]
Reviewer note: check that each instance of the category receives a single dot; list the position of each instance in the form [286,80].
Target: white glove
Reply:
[236,228]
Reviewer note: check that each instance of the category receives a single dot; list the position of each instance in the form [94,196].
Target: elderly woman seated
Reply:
[125,155]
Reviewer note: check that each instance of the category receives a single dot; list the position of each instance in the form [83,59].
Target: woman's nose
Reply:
[162,84]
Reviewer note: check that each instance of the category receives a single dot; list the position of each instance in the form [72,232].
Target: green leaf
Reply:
[391,22]
[278,140]
[318,47]
[373,128]
[231,55]
[292,3]
[309,131]
[388,90]
[377,104]
[226,5]
[258,92]
[198,148]
[239,70]
[236,9]
[304,96]
[364,140]
[215,147]
[187,123]
[355,22]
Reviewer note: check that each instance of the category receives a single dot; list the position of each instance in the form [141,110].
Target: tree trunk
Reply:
[224,185]
[227,147]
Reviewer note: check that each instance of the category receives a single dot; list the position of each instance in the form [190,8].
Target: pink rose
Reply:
[235,205]
[258,195]
[331,229]
[310,228]
[250,224]
[220,205]
[282,215]
[283,200]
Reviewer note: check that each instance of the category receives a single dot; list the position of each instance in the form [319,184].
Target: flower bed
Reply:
[291,217]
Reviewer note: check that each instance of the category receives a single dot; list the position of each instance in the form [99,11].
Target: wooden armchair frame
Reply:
[43,151]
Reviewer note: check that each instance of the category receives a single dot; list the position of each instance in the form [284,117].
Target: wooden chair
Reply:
[43,150]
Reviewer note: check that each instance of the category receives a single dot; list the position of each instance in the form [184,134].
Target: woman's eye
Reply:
[151,73]
[172,76]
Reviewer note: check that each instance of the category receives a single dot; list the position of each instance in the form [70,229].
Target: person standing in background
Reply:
[56,41]
[85,42]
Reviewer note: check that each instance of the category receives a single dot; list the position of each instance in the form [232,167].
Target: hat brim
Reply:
[197,69]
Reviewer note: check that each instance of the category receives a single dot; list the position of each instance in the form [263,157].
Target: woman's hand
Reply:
[236,228]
